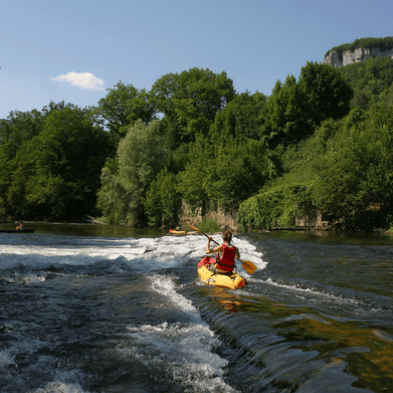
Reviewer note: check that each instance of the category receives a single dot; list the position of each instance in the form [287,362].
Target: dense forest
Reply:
[320,142]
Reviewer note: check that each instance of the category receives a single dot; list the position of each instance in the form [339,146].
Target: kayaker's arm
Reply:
[217,249]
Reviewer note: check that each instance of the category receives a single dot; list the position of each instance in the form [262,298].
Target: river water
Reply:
[108,309]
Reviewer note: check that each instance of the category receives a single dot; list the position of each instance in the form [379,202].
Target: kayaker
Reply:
[226,253]
[20,226]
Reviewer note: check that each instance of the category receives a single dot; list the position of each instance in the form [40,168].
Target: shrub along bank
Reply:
[349,175]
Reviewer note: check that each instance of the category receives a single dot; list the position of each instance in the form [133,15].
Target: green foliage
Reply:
[294,108]
[288,119]
[122,107]
[162,201]
[242,117]
[20,128]
[140,156]
[369,80]
[193,182]
[190,101]
[224,173]
[52,161]
[383,44]
[343,170]
[239,170]
[355,178]
[112,199]
[68,154]
[270,157]
[387,95]
[276,205]
[328,94]
[209,225]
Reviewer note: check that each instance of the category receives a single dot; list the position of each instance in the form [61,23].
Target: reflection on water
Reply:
[89,230]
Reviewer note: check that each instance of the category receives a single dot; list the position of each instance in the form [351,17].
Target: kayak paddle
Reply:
[248,266]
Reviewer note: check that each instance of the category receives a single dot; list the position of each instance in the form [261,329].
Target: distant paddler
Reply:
[19,226]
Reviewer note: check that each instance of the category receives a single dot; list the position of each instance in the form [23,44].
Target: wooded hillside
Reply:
[321,141]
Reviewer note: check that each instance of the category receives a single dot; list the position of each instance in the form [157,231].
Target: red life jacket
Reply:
[227,261]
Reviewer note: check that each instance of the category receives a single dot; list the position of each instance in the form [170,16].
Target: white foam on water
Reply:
[383,335]
[297,288]
[6,359]
[193,246]
[145,254]
[64,381]
[166,286]
[23,279]
[185,350]
[60,387]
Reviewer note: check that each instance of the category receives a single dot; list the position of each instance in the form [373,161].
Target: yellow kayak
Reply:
[233,281]
[175,232]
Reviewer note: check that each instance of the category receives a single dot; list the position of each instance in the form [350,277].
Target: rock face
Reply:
[224,220]
[338,59]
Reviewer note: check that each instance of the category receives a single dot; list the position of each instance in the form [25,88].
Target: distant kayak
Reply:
[234,281]
[175,232]
[27,230]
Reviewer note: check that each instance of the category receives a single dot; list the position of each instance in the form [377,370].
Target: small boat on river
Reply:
[24,230]
[233,281]
[176,232]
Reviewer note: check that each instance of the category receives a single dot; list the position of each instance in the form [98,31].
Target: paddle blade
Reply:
[248,266]
[195,229]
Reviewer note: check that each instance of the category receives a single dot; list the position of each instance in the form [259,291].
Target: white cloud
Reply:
[85,80]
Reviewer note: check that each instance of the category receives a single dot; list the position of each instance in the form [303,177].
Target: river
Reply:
[87,308]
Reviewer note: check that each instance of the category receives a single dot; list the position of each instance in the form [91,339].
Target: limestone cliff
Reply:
[338,58]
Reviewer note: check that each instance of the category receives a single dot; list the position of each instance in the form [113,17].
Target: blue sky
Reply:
[73,50]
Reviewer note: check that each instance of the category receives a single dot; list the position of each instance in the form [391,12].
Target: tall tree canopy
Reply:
[328,94]
[140,156]
[355,179]
[55,171]
[242,117]
[123,106]
[287,115]
[190,101]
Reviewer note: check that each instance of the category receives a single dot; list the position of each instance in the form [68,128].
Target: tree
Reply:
[355,180]
[190,101]
[20,128]
[140,156]
[56,173]
[241,117]
[240,170]
[288,114]
[112,199]
[194,180]
[123,106]
[162,201]
[328,94]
